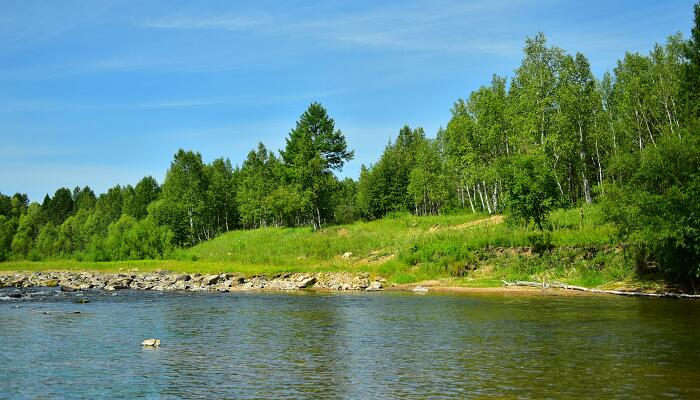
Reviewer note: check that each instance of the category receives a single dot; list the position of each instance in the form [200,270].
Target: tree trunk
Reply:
[582,153]
[483,207]
[495,197]
[471,203]
[486,196]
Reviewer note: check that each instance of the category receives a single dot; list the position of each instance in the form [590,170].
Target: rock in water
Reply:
[151,343]
[374,286]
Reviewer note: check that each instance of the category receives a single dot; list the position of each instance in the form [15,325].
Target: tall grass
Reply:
[405,248]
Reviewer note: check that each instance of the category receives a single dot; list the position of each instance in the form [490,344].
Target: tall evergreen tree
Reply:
[313,151]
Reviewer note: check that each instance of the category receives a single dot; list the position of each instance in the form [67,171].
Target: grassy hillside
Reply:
[466,249]
[470,249]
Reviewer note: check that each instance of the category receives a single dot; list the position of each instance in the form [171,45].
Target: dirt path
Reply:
[492,220]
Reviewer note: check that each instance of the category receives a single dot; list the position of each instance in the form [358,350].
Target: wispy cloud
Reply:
[230,23]
[404,26]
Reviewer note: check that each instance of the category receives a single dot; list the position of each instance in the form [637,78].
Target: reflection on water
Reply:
[351,345]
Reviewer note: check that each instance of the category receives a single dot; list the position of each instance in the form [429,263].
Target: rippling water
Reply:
[349,345]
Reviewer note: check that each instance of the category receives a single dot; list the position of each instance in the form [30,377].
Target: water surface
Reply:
[346,345]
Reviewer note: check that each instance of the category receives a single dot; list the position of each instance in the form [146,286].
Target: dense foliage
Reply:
[551,136]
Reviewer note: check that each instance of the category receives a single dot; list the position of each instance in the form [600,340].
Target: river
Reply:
[346,345]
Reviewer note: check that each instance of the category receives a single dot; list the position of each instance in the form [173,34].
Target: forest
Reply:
[552,136]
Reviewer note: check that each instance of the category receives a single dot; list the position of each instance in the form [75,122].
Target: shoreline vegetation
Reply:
[550,175]
[451,253]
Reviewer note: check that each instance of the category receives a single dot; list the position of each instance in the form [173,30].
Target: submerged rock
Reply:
[151,343]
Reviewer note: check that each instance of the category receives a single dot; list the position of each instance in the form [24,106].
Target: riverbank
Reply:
[73,281]
[459,251]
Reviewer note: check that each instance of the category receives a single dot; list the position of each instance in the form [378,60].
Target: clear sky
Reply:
[104,92]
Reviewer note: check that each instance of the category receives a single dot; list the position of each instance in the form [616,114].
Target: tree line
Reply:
[553,135]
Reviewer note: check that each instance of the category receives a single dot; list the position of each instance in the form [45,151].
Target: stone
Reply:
[306,283]
[347,255]
[374,286]
[17,281]
[49,283]
[420,289]
[210,279]
[151,343]
[68,286]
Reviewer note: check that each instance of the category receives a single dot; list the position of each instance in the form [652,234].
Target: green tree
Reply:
[532,189]
[27,231]
[83,199]
[221,194]
[313,151]
[8,229]
[145,192]
[184,193]
[657,210]
[58,208]
[691,73]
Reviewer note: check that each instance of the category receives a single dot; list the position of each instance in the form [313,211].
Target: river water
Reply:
[346,345]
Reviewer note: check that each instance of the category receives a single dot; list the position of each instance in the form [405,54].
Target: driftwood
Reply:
[559,285]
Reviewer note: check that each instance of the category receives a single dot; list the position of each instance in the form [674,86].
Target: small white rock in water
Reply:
[151,343]
[420,288]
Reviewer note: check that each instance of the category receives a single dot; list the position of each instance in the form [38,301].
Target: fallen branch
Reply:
[559,285]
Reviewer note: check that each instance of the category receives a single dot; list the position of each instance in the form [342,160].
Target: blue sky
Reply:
[104,92]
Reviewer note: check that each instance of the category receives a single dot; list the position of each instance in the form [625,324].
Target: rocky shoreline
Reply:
[70,281]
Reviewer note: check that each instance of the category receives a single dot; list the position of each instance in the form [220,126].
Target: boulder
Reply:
[306,282]
[210,279]
[68,286]
[17,281]
[151,343]
[347,255]
[374,286]
[48,283]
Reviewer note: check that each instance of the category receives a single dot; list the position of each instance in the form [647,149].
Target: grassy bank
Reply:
[460,250]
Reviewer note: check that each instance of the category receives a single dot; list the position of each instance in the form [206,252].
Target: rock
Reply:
[68,286]
[182,278]
[374,286]
[420,289]
[306,283]
[210,279]
[14,295]
[118,283]
[151,343]
[17,281]
[347,255]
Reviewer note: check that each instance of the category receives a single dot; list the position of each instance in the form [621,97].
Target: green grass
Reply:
[404,249]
